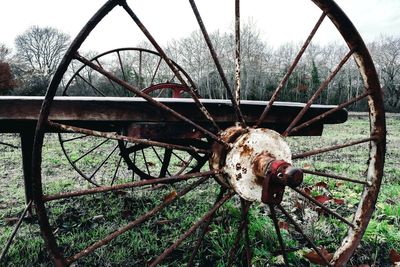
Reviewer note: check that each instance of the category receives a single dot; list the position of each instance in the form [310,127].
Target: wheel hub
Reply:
[257,165]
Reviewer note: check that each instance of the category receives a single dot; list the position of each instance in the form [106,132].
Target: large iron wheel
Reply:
[251,165]
[106,162]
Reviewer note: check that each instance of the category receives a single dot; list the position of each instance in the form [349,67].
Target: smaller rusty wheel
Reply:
[106,161]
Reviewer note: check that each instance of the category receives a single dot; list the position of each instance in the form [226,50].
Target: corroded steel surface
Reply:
[241,157]
[98,112]
[208,120]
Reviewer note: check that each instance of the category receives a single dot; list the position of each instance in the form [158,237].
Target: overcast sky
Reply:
[278,20]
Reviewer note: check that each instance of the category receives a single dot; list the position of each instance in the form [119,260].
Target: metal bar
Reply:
[164,161]
[103,162]
[155,71]
[237,51]
[245,211]
[134,223]
[204,229]
[331,148]
[115,136]
[91,85]
[323,207]
[318,92]
[290,70]
[329,112]
[278,233]
[235,244]
[90,151]
[338,177]
[140,70]
[101,66]
[185,164]
[236,107]
[145,162]
[298,229]
[102,189]
[5,250]
[192,88]
[192,229]
[72,139]
[27,140]
[116,171]
[10,145]
[122,66]
[149,99]
[239,233]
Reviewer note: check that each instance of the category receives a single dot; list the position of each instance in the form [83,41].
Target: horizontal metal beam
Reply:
[106,112]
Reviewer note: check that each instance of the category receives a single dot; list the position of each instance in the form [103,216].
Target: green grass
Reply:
[79,222]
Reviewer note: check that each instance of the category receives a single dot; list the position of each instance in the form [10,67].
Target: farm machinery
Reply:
[247,148]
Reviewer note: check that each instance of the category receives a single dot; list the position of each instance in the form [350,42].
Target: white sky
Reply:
[278,20]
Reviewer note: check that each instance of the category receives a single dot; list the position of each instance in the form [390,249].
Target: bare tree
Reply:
[41,49]
[38,53]
[386,52]
[5,52]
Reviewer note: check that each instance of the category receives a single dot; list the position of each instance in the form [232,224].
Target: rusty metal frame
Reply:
[376,139]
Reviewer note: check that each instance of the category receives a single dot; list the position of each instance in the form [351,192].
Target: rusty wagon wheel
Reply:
[252,160]
[103,161]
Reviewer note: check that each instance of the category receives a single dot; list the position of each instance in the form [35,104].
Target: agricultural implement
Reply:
[245,146]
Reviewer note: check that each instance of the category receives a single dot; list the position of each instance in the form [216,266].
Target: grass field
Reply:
[79,222]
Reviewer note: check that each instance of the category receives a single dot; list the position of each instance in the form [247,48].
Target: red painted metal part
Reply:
[177,89]
[275,176]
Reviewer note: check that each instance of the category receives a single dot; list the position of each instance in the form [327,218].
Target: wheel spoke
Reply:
[102,189]
[192,88]
[9,145]
[149,98]
[121,66]
[193,228]
[244,224]
[101,67]
[116,170]
[299,230]
[329,112]
[237,51]
[204,229]
[134,148]
[245,214]
[221,72]
[90,151]
[334,214]
[338,177]
[155,71]
[140,71]
[91,85]
[165,162]
[145,162]
[136,222]
[278,233]
[103,162]
[111,135]
[8,244]
[72,139]
[318,92]
[331,148]
[161,161]
[290,70]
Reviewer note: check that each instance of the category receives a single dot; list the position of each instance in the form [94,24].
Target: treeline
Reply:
[28,70]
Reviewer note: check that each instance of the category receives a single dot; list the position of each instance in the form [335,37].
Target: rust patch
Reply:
[246,151]
[219,152]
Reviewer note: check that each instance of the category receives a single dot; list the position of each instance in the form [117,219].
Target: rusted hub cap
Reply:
[257,165]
